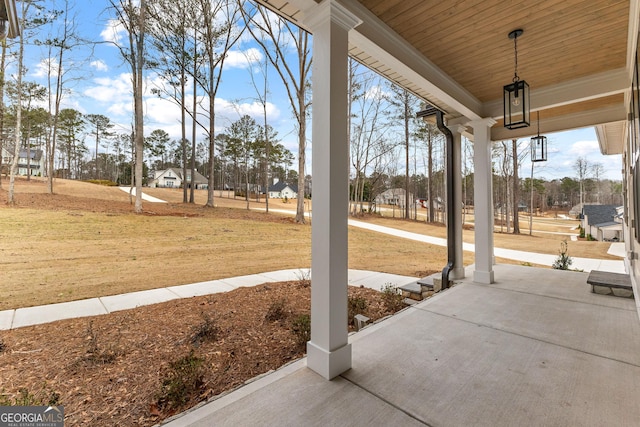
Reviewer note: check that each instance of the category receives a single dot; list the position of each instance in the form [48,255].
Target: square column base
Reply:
[484,277]
[328,364]
[457,273]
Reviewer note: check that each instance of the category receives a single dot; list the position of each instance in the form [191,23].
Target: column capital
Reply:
[486,122]
[458,128]
[326,10]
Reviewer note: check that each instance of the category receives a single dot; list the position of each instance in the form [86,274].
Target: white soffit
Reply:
[611,137]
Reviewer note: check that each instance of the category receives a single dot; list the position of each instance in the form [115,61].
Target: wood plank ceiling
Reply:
[467,39]
[566,44]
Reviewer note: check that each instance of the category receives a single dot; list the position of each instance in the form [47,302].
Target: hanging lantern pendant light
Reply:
[516,94]
[539,146]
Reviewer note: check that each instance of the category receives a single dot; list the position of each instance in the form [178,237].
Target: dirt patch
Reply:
[115,369]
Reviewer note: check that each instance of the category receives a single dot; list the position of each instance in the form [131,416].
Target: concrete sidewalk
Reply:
[11,319]
[536,348]
[585,264]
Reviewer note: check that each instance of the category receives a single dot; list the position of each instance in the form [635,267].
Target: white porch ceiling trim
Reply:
[578,90]
[577,120]
[611,137]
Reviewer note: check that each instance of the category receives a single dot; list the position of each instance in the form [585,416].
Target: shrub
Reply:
[590,238]
[96,352]
[356,305]
[301,328]
[564,260]
[45,397]
[205,331]
[183,380]
[276,311]
[392,297]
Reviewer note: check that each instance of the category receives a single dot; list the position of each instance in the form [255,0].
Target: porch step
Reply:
[423,288]
[607,283]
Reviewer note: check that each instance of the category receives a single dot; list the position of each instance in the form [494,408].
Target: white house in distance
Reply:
[172,178]
[392,196]
[280,190]
[602,222]
[35,163]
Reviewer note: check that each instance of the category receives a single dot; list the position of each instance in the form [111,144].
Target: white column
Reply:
[328,352]
[483,200]
[456,152]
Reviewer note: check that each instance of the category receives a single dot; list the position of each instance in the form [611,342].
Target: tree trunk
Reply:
[139,117]
[302,147]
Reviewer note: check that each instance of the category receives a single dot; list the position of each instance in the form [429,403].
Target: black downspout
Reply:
[451,232]
[451,181]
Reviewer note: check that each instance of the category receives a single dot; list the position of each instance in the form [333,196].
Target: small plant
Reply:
[95,352]
[301,328]
[304,277]
[44,397]
[392,297]
[276,311]
[590,238]
[356,305]
[581,232]
[564,260]
[3,346]
[183,380]
[526,264]
[204,331]
[285,199]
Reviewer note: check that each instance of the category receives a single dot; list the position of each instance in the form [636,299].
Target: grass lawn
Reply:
[84,241]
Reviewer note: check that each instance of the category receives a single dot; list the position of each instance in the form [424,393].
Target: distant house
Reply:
[28,160]
[602,222]
[393,196]
[172,178]
[280,190]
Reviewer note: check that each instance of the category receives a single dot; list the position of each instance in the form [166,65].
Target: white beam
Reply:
[577,120]
[570,92]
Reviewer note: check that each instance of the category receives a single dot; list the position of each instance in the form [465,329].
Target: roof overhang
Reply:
[585,83]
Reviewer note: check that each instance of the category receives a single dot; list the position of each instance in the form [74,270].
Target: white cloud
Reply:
[111,90]
[99,65]
[46,66]
[243,59]
[113,31]
[584,148]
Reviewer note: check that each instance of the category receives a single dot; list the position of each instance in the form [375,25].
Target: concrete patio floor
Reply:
[535,348]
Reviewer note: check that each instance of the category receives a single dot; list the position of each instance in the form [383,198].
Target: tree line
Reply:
[186,44]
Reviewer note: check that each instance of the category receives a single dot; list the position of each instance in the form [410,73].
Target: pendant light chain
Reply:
[515,48]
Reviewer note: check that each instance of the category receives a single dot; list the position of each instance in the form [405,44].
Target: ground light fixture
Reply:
[539,145]
[516,94]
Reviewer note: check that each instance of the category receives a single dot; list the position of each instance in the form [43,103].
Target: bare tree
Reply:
[581,166]
[18,133]
[367,104]
[132,16]
[597,169]
[171,33]
[406,105]
[275,34]
[60,72]
[219,31]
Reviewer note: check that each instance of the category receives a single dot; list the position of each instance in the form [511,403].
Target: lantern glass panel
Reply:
[539,149]
[516,105]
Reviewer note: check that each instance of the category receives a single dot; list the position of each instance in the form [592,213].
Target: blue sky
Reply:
[103,87]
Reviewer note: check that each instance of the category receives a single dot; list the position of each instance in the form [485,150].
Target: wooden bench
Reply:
[607,283]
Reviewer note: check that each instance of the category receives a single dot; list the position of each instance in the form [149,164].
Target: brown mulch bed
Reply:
[121,368]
